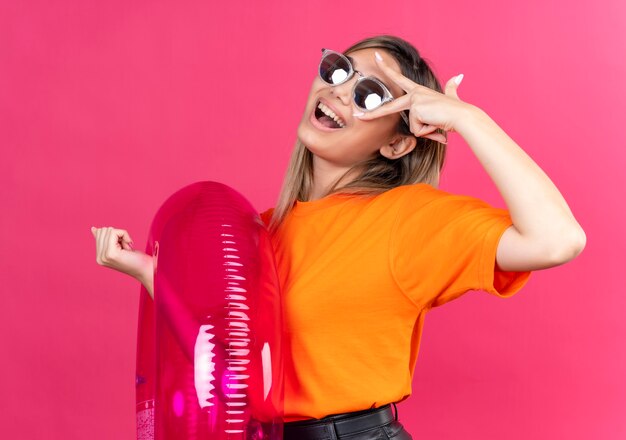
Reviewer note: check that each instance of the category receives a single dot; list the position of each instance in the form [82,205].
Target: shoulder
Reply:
[439,205]
[419,194]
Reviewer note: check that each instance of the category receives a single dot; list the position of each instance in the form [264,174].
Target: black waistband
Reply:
[330,427]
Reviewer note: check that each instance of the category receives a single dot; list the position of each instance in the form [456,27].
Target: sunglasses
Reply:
[368,92]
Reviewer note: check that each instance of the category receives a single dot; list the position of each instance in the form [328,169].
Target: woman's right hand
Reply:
[114,250]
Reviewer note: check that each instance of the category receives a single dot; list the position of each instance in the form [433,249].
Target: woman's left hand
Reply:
[428,108]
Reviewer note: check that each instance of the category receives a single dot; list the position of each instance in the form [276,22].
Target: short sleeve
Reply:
[266,216]
[444,245]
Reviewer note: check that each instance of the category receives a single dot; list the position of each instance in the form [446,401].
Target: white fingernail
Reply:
[458,79]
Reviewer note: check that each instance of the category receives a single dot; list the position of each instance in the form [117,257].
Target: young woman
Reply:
[366,244]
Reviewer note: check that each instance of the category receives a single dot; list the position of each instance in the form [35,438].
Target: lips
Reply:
[334,109]
[317,124]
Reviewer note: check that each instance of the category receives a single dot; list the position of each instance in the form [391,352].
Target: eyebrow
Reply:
[379,79]
[353,67]
[352,62]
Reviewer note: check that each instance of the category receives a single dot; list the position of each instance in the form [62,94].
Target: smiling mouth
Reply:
[327,117]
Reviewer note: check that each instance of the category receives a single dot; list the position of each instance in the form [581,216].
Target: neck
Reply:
[325,174]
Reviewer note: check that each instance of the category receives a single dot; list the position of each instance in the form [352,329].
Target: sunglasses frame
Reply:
[387,94]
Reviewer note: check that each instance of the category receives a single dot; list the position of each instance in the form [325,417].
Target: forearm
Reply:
[537,208]
[146,274]
[148,283]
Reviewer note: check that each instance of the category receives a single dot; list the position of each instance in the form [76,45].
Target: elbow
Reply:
[571,245]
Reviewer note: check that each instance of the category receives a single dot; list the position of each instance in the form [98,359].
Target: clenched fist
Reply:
[114,250]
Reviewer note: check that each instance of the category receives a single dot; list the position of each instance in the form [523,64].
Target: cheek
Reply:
[316,86]
[378,131]
[366,139]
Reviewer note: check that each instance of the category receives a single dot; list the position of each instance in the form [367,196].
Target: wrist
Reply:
[145,272]
[469,116]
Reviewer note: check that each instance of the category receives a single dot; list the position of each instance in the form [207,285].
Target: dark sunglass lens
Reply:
[334,69]
[368,94]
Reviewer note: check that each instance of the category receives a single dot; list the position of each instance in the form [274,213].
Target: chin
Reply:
[305,134]
[308,139]
[311,136]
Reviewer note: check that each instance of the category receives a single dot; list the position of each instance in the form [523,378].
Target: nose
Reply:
[344,91]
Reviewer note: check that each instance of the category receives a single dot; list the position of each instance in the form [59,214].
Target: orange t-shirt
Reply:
[359,273]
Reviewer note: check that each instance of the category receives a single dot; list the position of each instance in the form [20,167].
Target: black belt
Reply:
[333,426]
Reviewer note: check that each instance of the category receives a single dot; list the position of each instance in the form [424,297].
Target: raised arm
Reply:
[544,231]
[114,250]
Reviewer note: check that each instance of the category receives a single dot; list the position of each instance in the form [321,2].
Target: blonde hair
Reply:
[378,174]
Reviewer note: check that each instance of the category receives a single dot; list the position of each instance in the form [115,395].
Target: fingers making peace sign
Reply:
[428,108]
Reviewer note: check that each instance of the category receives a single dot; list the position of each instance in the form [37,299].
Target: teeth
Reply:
[328,112]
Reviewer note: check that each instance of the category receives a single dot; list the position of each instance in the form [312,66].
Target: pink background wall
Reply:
[106,108]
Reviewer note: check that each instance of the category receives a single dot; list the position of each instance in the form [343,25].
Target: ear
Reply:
[398,146]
